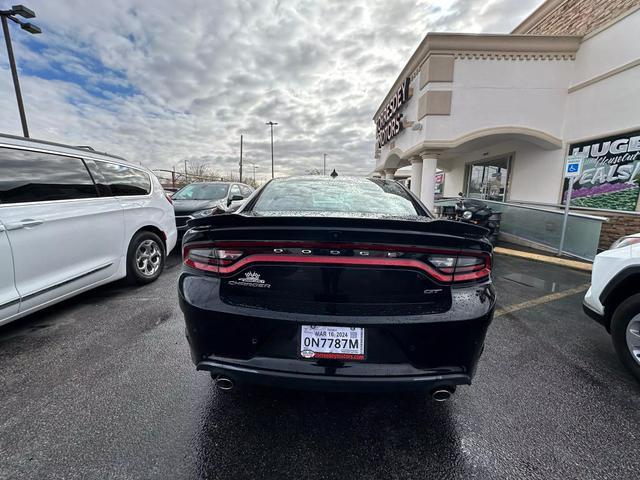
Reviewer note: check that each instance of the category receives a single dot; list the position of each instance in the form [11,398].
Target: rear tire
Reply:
[145,258]
[625,333]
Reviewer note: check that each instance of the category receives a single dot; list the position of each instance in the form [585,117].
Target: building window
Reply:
[488,180]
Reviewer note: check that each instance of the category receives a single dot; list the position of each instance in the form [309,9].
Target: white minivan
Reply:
[72,219]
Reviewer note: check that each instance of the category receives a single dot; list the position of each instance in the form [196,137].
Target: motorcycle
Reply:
[470,210]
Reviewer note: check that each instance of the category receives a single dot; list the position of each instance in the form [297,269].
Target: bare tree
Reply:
[200,170]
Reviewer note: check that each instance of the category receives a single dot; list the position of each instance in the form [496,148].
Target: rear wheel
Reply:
[625,332]
[145,258]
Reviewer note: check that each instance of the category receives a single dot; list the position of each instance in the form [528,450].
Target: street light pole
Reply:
[271,124]
[324,164]
[6,15]
[241,158]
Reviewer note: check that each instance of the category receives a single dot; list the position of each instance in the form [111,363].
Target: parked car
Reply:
[207,198]
[72,219]
[337,284]
[613,299]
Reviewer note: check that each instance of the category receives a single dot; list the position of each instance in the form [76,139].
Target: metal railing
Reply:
[542,226]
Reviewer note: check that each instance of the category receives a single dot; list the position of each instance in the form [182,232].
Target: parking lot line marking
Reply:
[540,300]
[563,262]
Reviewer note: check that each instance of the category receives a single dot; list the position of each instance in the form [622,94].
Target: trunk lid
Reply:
[355,265]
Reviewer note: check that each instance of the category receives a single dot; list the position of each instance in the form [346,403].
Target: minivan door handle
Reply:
[30,222]
[26,223]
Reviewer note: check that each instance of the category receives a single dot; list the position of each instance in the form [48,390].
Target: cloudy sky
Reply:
[163,81]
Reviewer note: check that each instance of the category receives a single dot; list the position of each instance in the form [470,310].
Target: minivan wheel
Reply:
[625,332]
[145,258]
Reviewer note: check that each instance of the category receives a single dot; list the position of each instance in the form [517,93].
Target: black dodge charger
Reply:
[336,284]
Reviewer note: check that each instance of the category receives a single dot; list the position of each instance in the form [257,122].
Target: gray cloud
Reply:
[160,84]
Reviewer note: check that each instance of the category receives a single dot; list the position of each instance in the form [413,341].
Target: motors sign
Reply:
[389,122]
[610,173]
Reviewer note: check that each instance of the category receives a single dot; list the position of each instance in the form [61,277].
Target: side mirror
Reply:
[235,198]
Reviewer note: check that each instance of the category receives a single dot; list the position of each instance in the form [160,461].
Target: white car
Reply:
[72,219]
[614,298]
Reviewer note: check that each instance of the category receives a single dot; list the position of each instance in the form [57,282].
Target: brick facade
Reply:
[579,17]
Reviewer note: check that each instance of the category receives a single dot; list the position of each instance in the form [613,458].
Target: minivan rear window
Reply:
[27,176]
[125,180]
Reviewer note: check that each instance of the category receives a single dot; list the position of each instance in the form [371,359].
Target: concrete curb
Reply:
[563,262]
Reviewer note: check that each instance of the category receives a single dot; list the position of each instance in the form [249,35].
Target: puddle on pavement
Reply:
[535,282]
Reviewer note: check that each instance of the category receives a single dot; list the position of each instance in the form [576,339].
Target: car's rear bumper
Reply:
[242,374]
[402,352]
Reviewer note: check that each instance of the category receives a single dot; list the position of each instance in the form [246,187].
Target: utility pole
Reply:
[271,124]
[185,172]
[324,165]
[240,158]
[173,177]
[5,15]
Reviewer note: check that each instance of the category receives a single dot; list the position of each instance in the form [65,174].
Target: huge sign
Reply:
[389,122]
[610,173]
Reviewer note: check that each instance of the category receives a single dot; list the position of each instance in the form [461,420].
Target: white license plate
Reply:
[343,343]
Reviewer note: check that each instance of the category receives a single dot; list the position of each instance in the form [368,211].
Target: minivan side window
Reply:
[125,180]
[98,178]
[27,176]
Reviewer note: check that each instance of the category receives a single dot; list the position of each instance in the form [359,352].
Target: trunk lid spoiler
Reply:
[431,226]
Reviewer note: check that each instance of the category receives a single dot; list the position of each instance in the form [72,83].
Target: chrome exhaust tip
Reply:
[441,394]
[224,383]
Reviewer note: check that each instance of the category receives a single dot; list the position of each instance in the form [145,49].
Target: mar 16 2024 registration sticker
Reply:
[341,343]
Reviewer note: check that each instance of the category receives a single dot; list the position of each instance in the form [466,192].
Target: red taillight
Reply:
[209,258]
[445,266]
[462,268]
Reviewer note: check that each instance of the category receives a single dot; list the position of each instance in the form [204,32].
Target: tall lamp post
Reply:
[241,158]
[5,15]
[271,124]
[324,164]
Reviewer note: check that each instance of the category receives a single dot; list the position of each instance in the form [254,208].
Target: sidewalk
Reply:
[513,250]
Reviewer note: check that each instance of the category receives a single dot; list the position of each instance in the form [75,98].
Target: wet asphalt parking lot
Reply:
[101,386]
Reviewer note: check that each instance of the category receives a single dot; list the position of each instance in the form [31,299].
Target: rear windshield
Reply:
[371,196]
[202,192]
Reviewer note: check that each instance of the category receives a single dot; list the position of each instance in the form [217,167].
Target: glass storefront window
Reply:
[488,180]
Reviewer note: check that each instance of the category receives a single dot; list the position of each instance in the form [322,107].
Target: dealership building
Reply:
[495,116]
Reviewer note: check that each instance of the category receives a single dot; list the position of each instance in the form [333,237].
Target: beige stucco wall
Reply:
[535,173]
[611,103]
